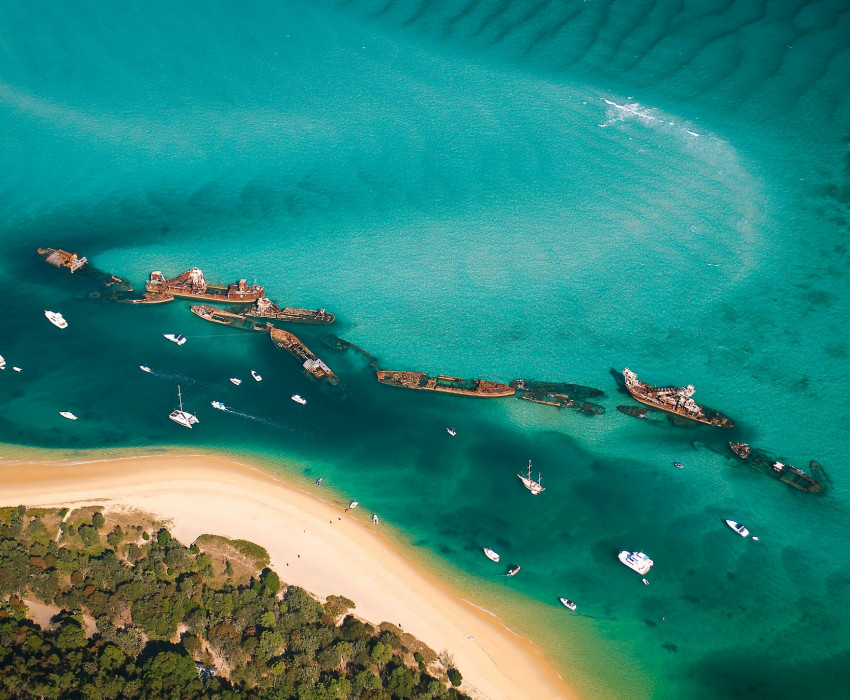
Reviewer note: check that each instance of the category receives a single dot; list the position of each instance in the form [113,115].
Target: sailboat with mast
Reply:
[534,486]
[178,415]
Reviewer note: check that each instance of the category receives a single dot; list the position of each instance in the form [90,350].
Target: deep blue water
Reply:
[493,189]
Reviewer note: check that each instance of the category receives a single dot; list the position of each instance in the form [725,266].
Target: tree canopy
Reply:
[178,622]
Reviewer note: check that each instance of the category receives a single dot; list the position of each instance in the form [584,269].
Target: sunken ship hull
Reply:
[559,395]
[767,464]
[192,284]
[227,318]
[673,399]
[74,263]
[310,364]
[266,308]
[445,384]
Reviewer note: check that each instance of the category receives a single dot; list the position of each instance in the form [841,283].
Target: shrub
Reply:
[455,677]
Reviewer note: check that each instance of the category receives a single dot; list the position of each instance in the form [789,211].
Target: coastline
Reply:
[312,543]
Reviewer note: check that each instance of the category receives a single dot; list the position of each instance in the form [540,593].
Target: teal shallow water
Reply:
[494,189]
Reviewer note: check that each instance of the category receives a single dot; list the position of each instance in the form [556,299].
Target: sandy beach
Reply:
[312,543]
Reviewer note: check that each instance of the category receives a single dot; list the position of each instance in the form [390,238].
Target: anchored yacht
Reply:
[184,418]
[637,561]
[56,319]
[490,554]
[534,486]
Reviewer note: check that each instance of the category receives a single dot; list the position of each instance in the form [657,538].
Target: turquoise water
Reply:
[497,189]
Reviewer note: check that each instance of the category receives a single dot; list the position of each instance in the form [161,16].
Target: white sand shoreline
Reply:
[313,543]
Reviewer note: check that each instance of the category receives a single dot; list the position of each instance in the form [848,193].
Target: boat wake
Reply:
[182,379]
[256,419]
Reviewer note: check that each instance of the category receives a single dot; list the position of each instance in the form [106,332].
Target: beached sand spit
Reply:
[312,544]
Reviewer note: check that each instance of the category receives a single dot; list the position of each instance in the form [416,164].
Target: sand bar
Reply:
[312,543]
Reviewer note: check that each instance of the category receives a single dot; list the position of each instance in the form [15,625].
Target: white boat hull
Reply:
[56,319]
[184,418]
[737,527]
[636,561]
[491,555]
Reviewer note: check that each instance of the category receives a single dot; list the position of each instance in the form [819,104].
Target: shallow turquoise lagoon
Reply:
[484,189]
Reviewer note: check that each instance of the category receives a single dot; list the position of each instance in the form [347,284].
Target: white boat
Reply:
[529,483]
[144,368]
[319,481]
[236,381]
[567,603]
[68,415]
[56,319]
[514,570]
[2,363]
[490,554]
[375,519]
[256,376]
[175,338]
[451,431]
[637,561]
[353,504]
[17,369]
[299,399]
[184,418]
[219,405]
[737,527]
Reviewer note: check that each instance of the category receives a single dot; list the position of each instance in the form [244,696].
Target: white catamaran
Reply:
[178,415]
[534,486]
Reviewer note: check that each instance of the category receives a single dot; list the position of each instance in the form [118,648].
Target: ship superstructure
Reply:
[193,284]
[311,364]
[674,399]
[266,308]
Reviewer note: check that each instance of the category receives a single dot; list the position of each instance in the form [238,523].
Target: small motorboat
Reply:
[567,603]
[175,338]
[2,363]
[144,368]
[319,482]
[56,319]
[235,381]
[353,505]
[256,376]
[679,465]
[219,405]
[737,527]
[490,554]
[645,581]
[375,520]
[68,415]
[299,399]
[451,431]
[17,369]
[513,571]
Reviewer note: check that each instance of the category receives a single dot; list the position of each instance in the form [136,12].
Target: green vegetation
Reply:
[135,614]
